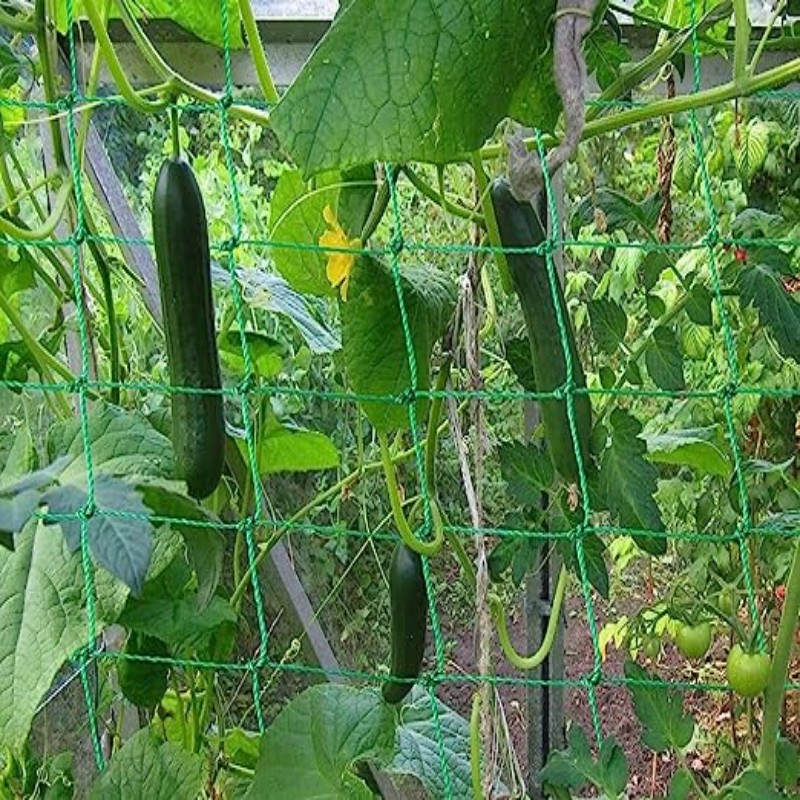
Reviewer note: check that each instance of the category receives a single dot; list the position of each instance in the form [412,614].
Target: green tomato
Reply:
[727,602]
[651,646]
[748,673]
[693,640]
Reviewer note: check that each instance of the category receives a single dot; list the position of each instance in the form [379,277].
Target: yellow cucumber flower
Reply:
[340,265]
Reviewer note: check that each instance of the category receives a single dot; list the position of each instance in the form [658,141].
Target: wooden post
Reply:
[546,701]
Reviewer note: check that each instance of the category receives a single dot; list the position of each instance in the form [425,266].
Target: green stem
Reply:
[428,549]
[434,416]
[108,297]
[5,176]
[92,83]
[44,44]
[534,660]
[776,12]
[136,101]
[14,23]
[25,234]
[195,733]
[490,223]
[378,209]
[632,77]
[777,76]
[491,304]
[176,81]
[448,205]
[181,711]
[773,697]
[698,789]
[47,362]
[12,207]
[30,189]
[741,41]
[257,52]
[475,746]
[176,132]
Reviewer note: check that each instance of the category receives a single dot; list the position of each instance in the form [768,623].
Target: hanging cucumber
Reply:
[520,227]
[180,232]
[409,606]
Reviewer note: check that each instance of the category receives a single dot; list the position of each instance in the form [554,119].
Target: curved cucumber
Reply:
[180,233]
[520,227]
[409,604]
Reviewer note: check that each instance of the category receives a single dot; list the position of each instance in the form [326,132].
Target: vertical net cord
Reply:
[76,241]
[729,392]
[568,391]
[247,386]
[396,248]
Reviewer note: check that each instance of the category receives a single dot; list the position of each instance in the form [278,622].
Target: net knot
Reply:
[728,392]
[226,101]
[396,244]
[712,238]
[79,237]
[565,390]
[78,385]
[67,102]
[595,677]
[230,244]
[88,511]
[247,384]
[407,397]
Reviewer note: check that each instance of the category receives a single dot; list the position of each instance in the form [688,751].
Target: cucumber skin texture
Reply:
[180,233]
[409,607]
[520,227]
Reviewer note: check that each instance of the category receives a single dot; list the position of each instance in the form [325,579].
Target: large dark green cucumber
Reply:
[180,232]
[409,605]
[520,227]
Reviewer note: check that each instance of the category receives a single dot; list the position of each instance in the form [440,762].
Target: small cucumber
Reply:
[409,606]
[520,227]
[183,257]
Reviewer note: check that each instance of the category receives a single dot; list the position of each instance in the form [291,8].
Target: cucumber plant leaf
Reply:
[527,471]
[149,769]
[296,224]
[205,20]
[372,92]
[313,745]
[376,354]
[43,620]
[659,708]
[628,482]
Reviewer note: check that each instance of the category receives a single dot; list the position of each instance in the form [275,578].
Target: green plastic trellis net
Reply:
[107,484]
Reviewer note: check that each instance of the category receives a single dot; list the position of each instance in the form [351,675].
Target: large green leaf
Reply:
[699,448]
[43,621]
[148,769]
[119,534]
[205,20]
[309,751]
[418,80]
[285,449]
[176,621]
[605,56]
[628,482]
[761,286]
[754,785]
[296,223]
[424,741]
[660,710]
[123,443]
[376,354]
